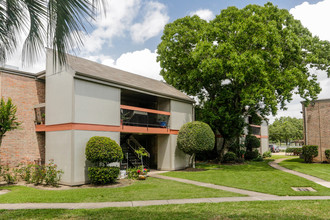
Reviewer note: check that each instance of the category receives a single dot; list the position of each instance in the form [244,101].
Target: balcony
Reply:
[255,130]
[143,117]
[39,111]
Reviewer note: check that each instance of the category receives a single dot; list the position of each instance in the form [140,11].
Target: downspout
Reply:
[318,106]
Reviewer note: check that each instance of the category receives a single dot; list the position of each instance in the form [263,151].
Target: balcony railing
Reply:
[142,117]
[255,129]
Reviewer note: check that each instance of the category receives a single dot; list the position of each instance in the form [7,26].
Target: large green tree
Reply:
[286,129]
[58,24]
[243,62]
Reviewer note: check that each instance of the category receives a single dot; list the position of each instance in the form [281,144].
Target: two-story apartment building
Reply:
[85,99]
[62,107]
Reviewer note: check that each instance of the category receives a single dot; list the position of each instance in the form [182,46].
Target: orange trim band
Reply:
[94,127]
[256,126]
[144,110]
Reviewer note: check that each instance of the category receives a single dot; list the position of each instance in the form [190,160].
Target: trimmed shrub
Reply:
[297,151]
[102,151]
[195,137]
[103,175]
[309,152]
[229,157]
[267,154]
[251,142]
[289,150]
[251,155]
[327,155]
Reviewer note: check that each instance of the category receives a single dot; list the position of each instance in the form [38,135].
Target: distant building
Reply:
[317,126]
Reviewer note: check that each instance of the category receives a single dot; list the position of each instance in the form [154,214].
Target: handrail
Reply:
[144,110]
[139,145]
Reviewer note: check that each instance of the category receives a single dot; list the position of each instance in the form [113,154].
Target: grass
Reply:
[235,210]
[314,169]
[255,176]
[275,157]
[151,189]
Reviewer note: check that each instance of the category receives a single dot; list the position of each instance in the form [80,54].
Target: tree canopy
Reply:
[58,24]
[243,62]
[286,129]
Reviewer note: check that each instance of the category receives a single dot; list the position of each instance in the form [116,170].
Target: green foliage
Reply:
[251,155]
[309,152]
[8,119]
[195,137]
[267,154]
[141,152]
[327,154]
[251,142]
[243,62]
[229,157]
[53,176]
[133,173]
[286,129]
[59,24]
[103,175]
[102,151]
[9,175]
[258,158]
[41,174]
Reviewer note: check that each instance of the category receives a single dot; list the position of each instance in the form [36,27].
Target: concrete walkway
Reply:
[152,202]
[306,176]
[213,186]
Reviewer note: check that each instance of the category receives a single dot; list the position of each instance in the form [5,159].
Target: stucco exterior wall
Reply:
[24,144]
[59,93]
[181,113]
[264,140]
[96,103]
[59,148]
[164,152]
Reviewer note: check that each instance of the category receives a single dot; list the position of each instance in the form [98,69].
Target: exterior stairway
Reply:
[131,158]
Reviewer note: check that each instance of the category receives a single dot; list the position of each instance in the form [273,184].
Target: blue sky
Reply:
[128,36]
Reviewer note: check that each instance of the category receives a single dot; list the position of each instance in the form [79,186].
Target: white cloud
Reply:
[205,14]
[315,17]
[141,62]
[153,22]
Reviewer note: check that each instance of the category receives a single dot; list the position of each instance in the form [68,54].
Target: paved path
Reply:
[306,176]
[152,202]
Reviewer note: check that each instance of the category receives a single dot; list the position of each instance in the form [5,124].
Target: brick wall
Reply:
[317,126]
[24,144]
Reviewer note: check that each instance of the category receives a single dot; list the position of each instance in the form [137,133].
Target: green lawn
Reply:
[236,210]
[275,157]
[315,169]
[151,189]
[255,176]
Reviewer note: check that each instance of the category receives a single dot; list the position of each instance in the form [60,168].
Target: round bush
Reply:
[251,142]
[103,175]
[195,137]
[309,152]
[103,150]
[229,157]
